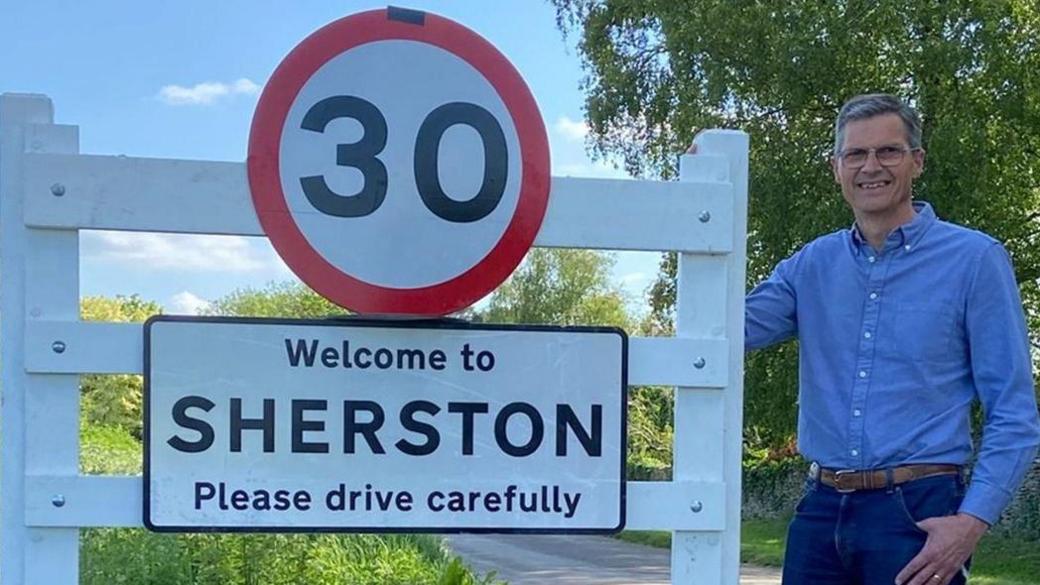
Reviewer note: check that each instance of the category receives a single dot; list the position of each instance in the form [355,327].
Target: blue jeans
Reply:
[864,537]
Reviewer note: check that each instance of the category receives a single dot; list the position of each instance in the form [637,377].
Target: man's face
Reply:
[876,189]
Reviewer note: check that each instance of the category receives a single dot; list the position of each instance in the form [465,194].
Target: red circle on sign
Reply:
[293,246]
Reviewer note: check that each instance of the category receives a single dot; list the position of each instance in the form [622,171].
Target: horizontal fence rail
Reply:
[117,500]
[199,197]
[66,347]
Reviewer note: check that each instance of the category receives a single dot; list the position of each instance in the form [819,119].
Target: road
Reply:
[576,560]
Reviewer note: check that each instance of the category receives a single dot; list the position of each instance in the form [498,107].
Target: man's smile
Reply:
[870,185]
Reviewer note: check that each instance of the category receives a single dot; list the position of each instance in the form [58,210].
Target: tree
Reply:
[121,309]
[658,71]
[572,287]
[559,287]
[285,299]
[114,400]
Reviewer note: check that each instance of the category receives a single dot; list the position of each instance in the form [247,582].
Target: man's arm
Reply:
[1001,367]
[999,346]
[770,310]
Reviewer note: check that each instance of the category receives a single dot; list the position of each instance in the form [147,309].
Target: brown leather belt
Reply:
[850,480]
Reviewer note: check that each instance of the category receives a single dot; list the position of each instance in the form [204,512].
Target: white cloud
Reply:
[245,86]
[206,93]
[573,130]
[569,153]
[202,253]
[186,303]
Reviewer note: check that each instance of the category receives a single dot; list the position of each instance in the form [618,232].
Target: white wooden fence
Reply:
[48,192]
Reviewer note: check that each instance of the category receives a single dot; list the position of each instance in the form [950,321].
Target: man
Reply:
[903,321]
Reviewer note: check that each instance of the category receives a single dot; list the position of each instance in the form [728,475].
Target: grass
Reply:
[108,450]
[116,556]
[654,538]
[998,560]
[762,542]
[1007,561]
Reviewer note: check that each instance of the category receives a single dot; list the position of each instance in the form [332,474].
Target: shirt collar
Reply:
[906,234]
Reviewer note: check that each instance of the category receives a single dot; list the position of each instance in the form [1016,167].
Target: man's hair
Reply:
[866,106]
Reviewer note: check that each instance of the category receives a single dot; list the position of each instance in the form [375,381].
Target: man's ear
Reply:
[918,162]
[834,169]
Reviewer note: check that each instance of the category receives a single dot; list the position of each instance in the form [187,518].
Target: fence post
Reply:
[40,413]
[710,305]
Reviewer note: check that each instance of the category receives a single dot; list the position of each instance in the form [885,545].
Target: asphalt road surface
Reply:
[576,560]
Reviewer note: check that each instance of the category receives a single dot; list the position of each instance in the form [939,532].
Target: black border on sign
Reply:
[347,322]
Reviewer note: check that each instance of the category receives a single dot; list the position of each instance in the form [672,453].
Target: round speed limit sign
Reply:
[398,163]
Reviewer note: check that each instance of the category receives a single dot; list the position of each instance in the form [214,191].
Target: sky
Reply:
[181,80]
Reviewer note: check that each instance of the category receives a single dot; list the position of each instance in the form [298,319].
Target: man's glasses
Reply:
[887,156]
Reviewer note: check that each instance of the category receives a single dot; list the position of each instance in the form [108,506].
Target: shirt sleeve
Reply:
[1001,369]
[770,310]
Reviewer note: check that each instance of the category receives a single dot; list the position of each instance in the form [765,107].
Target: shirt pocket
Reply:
[921,332]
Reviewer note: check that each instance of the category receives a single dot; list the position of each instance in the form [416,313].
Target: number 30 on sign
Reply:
[398,163]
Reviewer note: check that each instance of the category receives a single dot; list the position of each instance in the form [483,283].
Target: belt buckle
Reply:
[838,475]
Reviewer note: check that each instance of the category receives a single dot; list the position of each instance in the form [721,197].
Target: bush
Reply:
[112,400]
[134,556]
[109,450]
[650,413]
[115,556]
[772,487]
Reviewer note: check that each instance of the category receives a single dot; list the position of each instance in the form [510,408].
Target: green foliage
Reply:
[771,485]
[997,560]
[659,71]
[113,400]
[650,415]
[285,299]
[108,451]
[770,396]
[560,287]
[762,542]
[654,538]
[1006,561]
[121,309]
[572,287]
[456,573]
[130,556]
[1021,518]
[660,321]
[114,556]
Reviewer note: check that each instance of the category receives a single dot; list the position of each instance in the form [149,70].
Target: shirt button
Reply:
[866,334]
[855,453]
[871,259]
[857,412]
[873,296]
[862,374]
[907,247]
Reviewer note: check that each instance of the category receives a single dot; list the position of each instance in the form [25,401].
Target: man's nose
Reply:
[872,164]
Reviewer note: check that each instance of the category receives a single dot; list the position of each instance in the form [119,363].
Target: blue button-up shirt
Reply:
[896,344]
